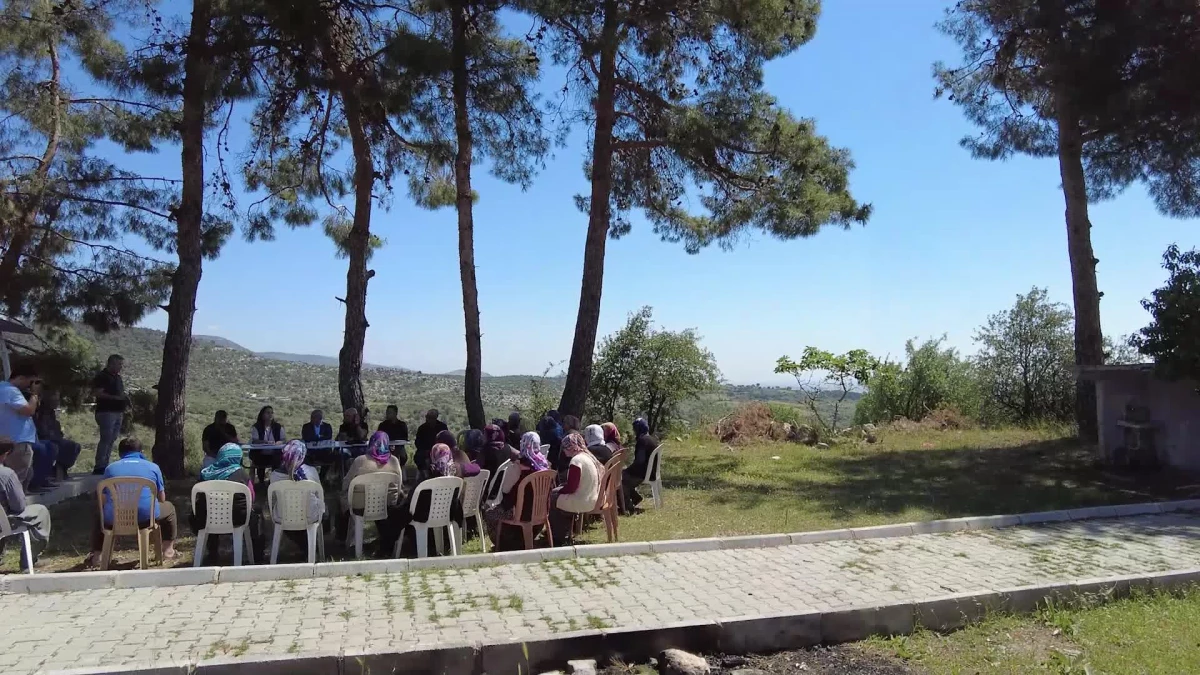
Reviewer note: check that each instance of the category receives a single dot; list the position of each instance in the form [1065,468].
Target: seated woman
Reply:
[292,467]
[441,462]
[581,490]
[227,465]
[612,437]
[474,442]
[530,459]
[496,450]
[636,473]
[593,435]
[378,458]
[265,431]
[463,466]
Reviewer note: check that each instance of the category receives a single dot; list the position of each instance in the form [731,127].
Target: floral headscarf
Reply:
[293,459]
[226,463]
[593,435]
[378,448]
[531,451]
[441,460]
[494,437]
[611,433]
[573,444]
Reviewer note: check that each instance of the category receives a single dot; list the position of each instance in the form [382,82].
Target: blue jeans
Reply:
[110,428]
[68,452]
[43,464]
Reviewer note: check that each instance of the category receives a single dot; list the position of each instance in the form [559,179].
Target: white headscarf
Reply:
[593,434]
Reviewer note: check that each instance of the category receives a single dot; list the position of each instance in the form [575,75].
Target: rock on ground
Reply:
[679,662]
[582,667]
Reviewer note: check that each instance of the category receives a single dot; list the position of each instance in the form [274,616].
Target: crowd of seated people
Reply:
[577,454]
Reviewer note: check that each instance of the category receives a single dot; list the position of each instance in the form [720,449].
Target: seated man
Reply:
[396,430]
[35,517]
[636,472]
[217,434]
[317,430]
[49,432]
[353,429]
[133,464]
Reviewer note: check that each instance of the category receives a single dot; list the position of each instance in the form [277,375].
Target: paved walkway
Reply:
[424,609]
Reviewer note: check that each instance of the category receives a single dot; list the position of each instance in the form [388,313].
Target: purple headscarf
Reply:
[378,448]
[531,451]
[293,459]
[441,460]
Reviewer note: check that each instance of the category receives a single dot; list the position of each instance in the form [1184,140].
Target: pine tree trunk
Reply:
[466,224]
[23,232]
[177,345]
[579,369]
[1089,341]
[350,358]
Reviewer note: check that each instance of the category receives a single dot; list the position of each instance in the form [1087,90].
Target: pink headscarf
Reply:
[378,448]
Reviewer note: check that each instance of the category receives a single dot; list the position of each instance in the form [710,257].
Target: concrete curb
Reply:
[737,635]
[86,581]
[76,485]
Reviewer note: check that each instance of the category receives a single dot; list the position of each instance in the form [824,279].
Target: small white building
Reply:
[1144,420]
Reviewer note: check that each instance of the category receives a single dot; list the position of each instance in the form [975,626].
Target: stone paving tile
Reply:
[395,612]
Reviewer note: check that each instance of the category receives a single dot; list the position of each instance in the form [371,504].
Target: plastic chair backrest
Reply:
[375,487]
[618,459]
[539,485]
[289,501]
[545,448]
[124,493]
[498,480]
[652,466]
[472,494]
[5,527]
[443,491]
[218,503]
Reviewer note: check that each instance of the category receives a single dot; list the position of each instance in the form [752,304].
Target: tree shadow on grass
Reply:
[948,483]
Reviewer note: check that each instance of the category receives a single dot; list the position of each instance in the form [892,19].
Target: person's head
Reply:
[514,421]
[573,444]
[593,434]
[611,433]
[570,423]
[227,461]
[266,415]
[129,446]
[460,457]
[640,428]
[115,363]
[432,415]
[24,375]
[378,448]
[553,414]
[6,446]
[220,417]
[350,415]
[531,452]
[317,417]
[446,437]
[493,436]
[441,460]
[391,413]
[293,455]
[474,440]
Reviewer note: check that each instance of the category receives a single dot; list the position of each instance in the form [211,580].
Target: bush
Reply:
[933,379]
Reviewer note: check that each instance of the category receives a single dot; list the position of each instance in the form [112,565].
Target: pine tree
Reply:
[678,109]
[1105,87]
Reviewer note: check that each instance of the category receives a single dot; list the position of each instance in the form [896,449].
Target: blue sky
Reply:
[952,240]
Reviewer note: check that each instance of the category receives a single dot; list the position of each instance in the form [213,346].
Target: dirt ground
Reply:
[837,660]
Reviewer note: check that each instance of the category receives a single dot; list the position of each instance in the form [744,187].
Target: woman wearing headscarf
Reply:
[442,464]
[227,465]
[636,472]
[473,442]
[593,435]
[551,432]
[612,437]
[529,460]
[378,458]
[512,432]
[292,467]
[581,490]
[495,450]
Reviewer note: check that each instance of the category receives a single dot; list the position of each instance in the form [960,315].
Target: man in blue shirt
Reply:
[133,464]
[16,420]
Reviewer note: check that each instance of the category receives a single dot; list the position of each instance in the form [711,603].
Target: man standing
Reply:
[111,400]
[49,431]
[16,419]
[396,430]
[426,437]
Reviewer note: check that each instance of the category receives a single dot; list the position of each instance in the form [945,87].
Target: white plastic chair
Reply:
[7,530]
[375,487]
[494,495]
[545,448]
[472,501]
[218,517]
[444,492]
[654,476]
[289,500]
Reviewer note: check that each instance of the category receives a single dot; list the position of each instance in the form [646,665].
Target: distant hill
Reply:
[462,372]
[217,342]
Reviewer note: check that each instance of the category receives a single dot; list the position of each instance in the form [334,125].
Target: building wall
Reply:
[1174,406]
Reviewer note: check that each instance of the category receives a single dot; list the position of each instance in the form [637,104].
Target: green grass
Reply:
[1145,633]
[714,490]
